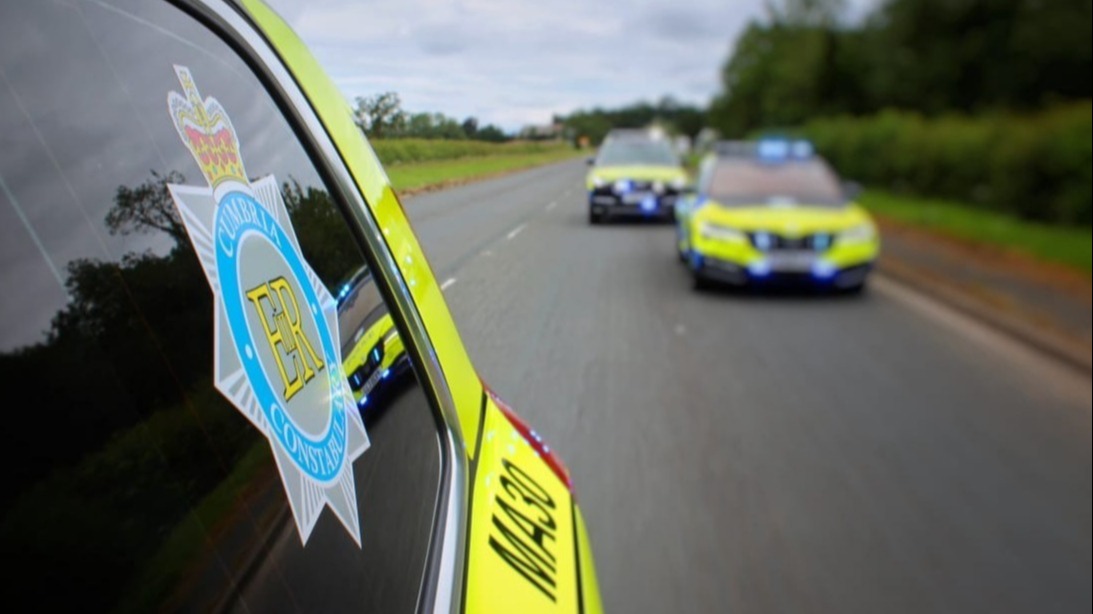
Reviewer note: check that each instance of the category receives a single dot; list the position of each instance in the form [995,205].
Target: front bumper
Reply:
[645,205]
[759,273]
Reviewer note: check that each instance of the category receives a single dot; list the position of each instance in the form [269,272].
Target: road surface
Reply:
[768,453]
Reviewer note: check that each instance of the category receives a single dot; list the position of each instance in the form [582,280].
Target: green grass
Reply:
[405,151]
[1070,246]
[419,175]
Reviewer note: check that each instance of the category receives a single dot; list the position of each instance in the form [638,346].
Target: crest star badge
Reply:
[276,356]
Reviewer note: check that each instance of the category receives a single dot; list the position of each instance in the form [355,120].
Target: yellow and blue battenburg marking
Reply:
[275,356]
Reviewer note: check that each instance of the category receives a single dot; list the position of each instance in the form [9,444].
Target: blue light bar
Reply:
[773,150]
[783,150]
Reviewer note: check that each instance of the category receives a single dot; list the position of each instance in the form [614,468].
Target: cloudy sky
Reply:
[517,62]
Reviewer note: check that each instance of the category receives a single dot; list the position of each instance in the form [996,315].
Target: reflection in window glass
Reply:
[134,483]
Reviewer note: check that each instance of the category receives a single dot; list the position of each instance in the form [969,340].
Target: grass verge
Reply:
[416,176]
[1069,246]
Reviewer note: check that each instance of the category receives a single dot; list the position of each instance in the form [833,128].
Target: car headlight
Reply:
[678,183]
[862,233]
[598,182]
[658,187]
[718,232]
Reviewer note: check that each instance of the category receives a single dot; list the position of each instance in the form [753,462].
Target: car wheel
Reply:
[701,282]
[594,218]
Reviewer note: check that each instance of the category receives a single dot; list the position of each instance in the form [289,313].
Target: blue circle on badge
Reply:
[239,215]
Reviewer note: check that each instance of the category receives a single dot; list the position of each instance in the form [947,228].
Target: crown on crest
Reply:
[204,127]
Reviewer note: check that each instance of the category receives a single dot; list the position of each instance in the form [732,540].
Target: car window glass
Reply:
[737,181]
[216,409]
[636,151]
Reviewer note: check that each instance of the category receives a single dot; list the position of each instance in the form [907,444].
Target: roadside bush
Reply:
[399,151]
[1038,167]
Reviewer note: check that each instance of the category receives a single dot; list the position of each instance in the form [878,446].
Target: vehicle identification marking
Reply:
[275,356]
[791,261]
[524,531]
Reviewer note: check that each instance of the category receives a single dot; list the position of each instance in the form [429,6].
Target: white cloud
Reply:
[516,62]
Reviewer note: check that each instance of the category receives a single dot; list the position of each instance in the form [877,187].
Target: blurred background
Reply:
[923,447]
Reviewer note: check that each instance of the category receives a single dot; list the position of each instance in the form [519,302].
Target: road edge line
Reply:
[1073,355]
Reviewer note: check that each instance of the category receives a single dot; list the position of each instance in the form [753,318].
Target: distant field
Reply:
[402,151]
[415,164]
[1069,246]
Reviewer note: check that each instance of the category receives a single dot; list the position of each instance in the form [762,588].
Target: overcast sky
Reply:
[517,62]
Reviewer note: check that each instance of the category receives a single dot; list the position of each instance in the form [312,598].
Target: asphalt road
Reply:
[759,453]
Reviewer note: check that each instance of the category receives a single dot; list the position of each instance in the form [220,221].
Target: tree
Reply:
[148,208]
[470,127]
[380,115]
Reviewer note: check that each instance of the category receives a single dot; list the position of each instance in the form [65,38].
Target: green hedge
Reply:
[398,151]
[1038,167]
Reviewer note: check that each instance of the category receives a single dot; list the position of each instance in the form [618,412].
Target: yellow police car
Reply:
[635,174]
[233,380]
[773,212]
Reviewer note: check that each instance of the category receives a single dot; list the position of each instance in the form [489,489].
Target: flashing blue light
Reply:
[649,203]
[763,241]
[759,268]
[623,185]
[773,150]
[822,269]
[386,374]
[781,150]
[376,354]
[363,401]
[344,291]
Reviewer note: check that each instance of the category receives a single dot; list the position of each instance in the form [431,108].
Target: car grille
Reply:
[767,241]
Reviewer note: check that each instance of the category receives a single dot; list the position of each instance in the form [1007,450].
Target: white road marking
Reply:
[551,205]
[515,231]
[447,283]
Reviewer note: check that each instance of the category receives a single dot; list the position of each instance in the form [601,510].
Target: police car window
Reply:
[218,410]
[749,182]
[630,150]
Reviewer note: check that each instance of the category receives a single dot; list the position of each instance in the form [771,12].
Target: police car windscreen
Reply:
[637,152]
[748,182]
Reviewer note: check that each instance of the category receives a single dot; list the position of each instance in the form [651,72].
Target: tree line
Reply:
[382,116]
[931,57]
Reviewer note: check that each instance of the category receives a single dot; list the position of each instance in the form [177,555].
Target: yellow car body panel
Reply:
[521,552]
[334,112]
[792,222]
[610,174]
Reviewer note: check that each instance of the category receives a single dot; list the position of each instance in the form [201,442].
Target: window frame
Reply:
[441,583]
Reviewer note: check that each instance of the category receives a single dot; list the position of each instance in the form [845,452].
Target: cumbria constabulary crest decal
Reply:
[276,355]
